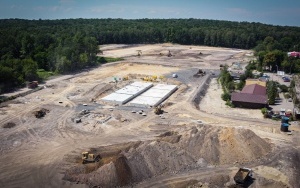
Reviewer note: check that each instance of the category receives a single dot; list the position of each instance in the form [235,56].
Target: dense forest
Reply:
[28,47]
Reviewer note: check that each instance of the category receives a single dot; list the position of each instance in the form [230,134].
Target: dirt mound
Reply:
[195,148]
[219,145]
[171,137]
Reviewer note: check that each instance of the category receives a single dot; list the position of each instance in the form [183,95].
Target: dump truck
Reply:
[89,157]
[242,175]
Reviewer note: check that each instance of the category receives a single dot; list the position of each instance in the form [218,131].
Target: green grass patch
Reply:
[44,74]
[103,60]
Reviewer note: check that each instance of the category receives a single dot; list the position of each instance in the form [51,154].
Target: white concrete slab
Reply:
[145,101]
[128,92]
[155,93]
[164,87]
[117,98]
[154,96]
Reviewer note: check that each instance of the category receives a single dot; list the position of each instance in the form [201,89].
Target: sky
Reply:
[275,12]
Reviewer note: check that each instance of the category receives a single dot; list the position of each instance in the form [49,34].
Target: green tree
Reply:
[230,86]
[264,111]
[226,96]
[30,69]
[271,92]
[269,60]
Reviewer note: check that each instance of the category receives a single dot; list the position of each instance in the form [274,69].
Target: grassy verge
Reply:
[44,75]
[103,60]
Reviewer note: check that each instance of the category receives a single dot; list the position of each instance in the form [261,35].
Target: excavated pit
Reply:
[173,152]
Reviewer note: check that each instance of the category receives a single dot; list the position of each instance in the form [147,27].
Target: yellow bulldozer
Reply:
[89,157]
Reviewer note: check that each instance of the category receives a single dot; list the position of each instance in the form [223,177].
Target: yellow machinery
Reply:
[150,78]
[89,157]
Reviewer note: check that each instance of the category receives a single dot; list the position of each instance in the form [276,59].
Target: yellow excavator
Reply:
[89,157]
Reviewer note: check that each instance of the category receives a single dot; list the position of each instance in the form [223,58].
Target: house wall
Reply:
[248,105]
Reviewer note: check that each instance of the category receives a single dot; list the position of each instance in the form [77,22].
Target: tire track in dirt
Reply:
[62,121]
[176,179]
[22,113]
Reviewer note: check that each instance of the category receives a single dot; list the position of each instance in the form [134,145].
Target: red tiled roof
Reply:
[254,89]
[250,98]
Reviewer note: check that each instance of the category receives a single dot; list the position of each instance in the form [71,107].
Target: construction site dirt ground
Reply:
[197,143]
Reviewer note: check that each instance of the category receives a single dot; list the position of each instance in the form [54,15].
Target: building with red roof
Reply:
[252,96]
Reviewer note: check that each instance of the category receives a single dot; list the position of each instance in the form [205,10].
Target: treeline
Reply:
[71,44]
[272,55]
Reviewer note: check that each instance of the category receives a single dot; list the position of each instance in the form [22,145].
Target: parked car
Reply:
[290,100]
[286,79]
[276,116]
[266,76]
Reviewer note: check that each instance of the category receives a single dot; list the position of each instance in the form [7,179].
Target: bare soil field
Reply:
[197,142]
[212,103]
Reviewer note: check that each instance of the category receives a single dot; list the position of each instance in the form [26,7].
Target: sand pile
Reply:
[223,145]
[170,153]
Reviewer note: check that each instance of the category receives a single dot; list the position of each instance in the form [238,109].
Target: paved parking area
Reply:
[282,103]
[275,77]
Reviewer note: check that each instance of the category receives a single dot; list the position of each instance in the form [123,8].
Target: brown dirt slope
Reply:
[220,145]
[173,153]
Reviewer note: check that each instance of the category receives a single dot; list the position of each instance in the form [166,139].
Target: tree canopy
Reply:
[69,45]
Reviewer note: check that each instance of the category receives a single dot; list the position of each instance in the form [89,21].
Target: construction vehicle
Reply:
[242,175]
[200,73]
[154,78]
[150,78]
[33,84]
[139,53]
[89,157]
[158,110]
[40,113]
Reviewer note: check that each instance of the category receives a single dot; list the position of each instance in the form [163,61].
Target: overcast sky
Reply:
[276,12]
